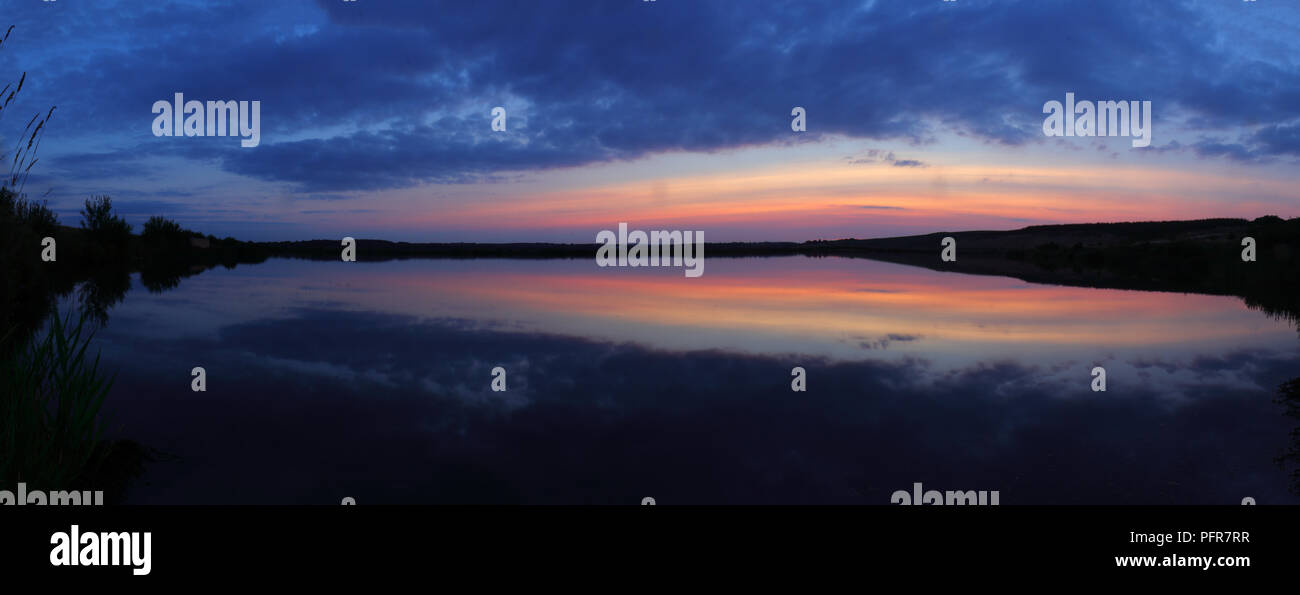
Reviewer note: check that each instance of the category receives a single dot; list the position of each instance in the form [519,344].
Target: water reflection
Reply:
[829,307]
[106,288]
[372,380]
[1289,398]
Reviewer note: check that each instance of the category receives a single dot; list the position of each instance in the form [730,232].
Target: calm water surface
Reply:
[371,380]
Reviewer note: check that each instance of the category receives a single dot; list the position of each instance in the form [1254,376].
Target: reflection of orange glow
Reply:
[833,300]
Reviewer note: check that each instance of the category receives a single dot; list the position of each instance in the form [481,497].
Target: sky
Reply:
[921,116]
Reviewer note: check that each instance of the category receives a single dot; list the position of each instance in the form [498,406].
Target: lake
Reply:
[372,380]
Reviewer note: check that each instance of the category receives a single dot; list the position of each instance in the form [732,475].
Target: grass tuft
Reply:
[50,427]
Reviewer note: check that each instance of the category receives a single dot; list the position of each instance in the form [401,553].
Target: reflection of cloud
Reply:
[883,342]
[413,420]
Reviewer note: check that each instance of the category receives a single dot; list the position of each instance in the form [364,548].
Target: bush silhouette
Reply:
[109,233]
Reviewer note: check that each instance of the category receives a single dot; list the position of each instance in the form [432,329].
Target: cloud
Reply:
[871,156]
[1235,151]
[381,95]
[1279,139]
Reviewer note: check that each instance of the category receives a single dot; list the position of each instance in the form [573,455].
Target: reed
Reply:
[50,426]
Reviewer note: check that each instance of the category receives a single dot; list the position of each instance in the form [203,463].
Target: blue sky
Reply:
[921,114]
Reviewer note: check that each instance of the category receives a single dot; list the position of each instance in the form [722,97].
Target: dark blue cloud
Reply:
[1236,151]
[1280,139]
[377,95]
